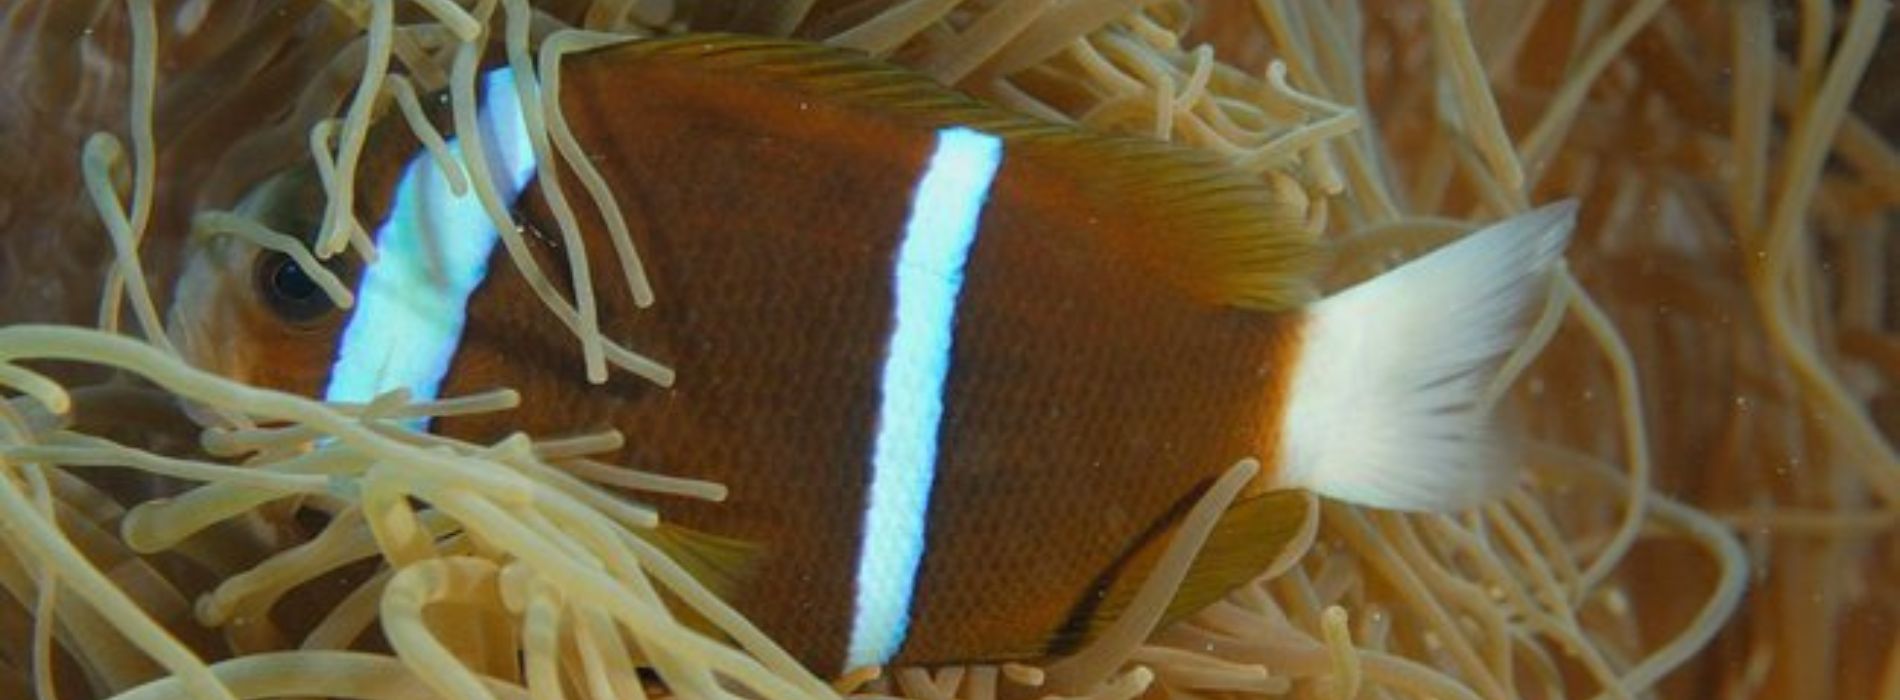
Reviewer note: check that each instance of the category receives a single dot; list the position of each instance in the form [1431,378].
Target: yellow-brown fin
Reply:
[1213,231]
[1249,539]
[721,564]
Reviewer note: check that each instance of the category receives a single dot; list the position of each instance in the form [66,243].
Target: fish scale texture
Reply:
[1086,406]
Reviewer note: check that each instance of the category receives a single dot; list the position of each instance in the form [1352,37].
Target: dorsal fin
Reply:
[1215,232]
[1248,540]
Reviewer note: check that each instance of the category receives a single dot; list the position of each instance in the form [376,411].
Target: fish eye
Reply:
[289,290]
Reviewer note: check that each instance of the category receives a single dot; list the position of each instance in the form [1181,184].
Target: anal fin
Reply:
[1250,539]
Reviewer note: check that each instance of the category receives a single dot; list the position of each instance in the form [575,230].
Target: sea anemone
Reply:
[1708,403]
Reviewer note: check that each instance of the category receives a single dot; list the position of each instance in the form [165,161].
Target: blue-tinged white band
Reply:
[434,250]
[928,278]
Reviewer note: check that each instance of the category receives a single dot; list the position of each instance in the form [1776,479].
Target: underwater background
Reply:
[1710,491]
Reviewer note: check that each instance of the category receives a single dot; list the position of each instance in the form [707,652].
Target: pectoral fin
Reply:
[721,564]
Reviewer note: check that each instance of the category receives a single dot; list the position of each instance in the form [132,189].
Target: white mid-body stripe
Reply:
[412,302]
[927,278]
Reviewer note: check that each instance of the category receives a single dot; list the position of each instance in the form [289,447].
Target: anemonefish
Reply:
[962,371]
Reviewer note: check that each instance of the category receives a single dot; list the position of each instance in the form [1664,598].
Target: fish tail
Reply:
[1384,398]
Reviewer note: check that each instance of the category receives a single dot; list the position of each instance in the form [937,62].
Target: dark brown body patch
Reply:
[1088,396]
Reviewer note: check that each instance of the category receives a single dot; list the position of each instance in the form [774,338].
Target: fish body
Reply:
[961,371]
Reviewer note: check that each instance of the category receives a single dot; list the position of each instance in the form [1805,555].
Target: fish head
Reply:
[252,313]
[257,307]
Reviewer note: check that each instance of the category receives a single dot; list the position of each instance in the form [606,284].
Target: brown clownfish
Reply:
[962,371]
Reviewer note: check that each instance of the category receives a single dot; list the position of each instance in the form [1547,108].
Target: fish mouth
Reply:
[190,325]
[188,335]
[191,341]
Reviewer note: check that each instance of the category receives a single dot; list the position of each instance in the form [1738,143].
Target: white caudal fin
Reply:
[1384,397]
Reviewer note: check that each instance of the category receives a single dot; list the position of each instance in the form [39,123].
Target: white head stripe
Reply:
[928,277]
[412,301]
